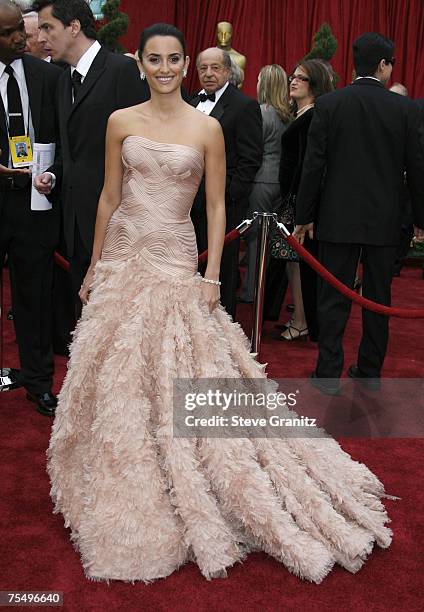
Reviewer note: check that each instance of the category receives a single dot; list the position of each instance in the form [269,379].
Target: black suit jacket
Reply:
[361,140]
[113,82]
[241,121]
[41,79]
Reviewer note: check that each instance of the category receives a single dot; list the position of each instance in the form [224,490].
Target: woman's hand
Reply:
[211,295]
[85,289]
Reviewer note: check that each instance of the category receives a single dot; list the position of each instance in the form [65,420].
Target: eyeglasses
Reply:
[390,60]
[299,77]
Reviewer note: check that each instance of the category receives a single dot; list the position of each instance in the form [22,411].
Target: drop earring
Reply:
[142,76]
[184,73]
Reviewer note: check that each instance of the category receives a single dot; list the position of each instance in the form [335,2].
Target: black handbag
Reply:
[278,246]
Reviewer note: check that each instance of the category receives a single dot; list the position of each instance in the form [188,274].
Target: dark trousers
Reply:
[229,275]
[64,318]
[276,284]
[406,234]
[309,283]
[29,239]
[334,308]
[78,266]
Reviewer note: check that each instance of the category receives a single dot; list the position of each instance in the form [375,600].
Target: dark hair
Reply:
[328,67]
[319,77]
[68,10]
[161,29]
[368,51]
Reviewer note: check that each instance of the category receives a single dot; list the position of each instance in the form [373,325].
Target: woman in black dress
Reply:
[309,80]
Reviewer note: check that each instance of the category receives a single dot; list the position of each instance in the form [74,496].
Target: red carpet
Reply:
[37,554]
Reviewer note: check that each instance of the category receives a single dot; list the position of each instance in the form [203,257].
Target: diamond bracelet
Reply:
[209,280]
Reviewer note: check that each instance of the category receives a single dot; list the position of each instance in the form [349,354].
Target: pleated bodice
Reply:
[159,184]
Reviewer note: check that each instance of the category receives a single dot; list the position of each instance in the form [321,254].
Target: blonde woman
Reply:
[265,197]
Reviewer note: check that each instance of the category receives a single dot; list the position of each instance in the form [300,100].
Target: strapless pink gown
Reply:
[140,504]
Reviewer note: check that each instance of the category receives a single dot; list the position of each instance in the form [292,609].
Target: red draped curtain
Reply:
[281,31]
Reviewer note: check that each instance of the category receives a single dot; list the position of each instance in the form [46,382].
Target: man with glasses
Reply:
[361,141]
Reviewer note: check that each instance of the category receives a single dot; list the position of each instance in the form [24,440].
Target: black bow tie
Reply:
[204,96]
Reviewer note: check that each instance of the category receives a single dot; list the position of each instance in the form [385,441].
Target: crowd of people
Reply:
[53,46]
[131,158]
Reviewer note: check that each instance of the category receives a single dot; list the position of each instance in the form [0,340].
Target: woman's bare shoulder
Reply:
[124,120]
[125,114]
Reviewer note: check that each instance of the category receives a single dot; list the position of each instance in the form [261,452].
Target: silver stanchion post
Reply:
[263,219]
[8,376]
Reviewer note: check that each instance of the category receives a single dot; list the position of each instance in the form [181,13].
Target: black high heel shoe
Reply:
[300,334]
[283,327]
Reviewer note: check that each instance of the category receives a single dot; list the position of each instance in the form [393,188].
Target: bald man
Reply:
[241,121]
[28,237]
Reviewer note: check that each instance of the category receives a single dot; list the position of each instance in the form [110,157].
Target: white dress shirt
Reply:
[367,77]
[207,106]
[18,69]
[85,61]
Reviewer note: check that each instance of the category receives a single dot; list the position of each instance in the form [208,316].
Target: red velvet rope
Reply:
[228,238]
[404,313]
[61,261]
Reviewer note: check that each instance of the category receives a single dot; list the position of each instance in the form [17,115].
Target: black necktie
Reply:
[204,96]
[76,83]
[14,105]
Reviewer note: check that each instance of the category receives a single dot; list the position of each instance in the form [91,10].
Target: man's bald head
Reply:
[214,68]
[7,5]
[216,53]
[12,32]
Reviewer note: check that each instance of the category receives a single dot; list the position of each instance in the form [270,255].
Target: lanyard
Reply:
[6,113]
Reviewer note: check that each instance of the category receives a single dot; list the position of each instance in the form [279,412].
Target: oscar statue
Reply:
[224,35]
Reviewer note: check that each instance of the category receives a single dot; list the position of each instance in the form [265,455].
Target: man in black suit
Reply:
[28,237]
[361,141]
[241,122]
[97,83]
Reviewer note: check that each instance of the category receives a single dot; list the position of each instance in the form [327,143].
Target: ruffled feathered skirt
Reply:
[141,503]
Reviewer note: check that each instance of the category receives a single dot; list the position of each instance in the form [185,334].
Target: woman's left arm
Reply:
[215,170]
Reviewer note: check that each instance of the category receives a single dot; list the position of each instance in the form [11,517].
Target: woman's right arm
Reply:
[110,197]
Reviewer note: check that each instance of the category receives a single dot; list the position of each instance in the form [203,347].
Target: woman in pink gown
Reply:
[139,502]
